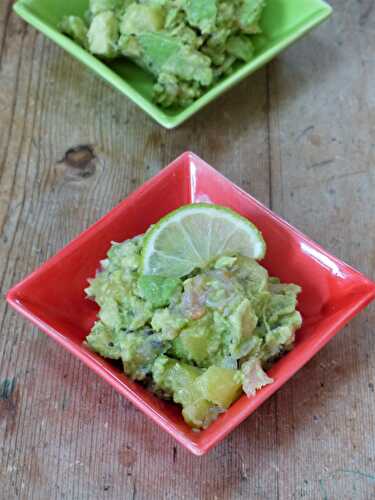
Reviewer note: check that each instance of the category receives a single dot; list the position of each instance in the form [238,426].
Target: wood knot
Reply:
[8,404]
[81,158]
[7,387]
[127,456]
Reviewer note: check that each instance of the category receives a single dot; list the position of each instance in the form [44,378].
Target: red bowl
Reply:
[53,296]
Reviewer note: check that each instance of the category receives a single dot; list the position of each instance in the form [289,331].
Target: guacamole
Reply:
[187,45]
[199,340]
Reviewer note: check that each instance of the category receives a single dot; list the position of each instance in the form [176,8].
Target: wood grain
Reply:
[298,135]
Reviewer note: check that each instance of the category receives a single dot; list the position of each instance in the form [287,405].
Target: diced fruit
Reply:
[243,322]
[249,15]
[139,351]
[141,18]
[220,385]
[201,14]
[178,379]
[282,337]
[103,34]
[172,375]
[97,6]
[158,290]
[241,47]
[75,27]
[101,340]
[251,274]
[198,343]
[197,413]
[157,48]
[280,305]
[168,323]
[190,66]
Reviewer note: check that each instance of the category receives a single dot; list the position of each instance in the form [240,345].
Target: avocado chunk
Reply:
[158,290]
[98,6]
[141,18]
[219,385]
[103,35]
[249,15]
[201,15]
[102,340]
[139,351]
[76,28]
[243,322]
[198,342]
[241,48]
[179,379]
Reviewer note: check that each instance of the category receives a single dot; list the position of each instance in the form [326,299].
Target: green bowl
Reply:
[283,22]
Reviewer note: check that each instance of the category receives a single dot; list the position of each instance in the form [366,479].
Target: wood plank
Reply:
[322,129]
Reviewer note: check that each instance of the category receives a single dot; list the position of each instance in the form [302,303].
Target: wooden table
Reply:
[298,135]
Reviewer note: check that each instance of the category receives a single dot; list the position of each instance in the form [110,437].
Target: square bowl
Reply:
[283,22]
[53,296]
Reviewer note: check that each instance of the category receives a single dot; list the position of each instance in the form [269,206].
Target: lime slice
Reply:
[193,235]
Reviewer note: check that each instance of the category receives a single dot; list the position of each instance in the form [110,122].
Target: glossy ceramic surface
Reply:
[283,22]
[53,297]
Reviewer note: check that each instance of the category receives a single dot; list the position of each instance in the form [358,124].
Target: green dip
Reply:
[186,44]
[200,340]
